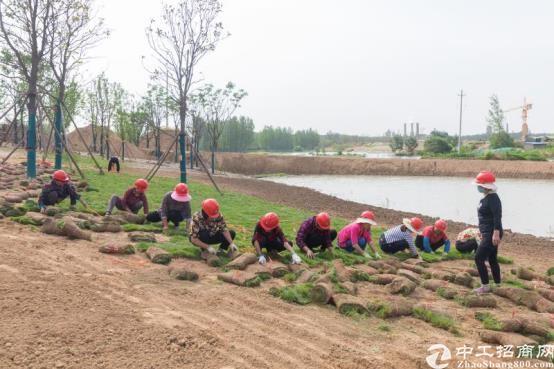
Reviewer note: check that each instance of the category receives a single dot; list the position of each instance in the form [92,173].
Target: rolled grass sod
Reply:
[348,304]
[322,293]
[385,309]
[158,255]
[243,261]
[118,249]
[240,278]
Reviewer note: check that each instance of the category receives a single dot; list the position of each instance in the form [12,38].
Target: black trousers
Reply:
[392,247]
[173,216]
[434,246]
[218,238]
[314,241]
[466,247]
[52,198]
[112,162]
[487,252]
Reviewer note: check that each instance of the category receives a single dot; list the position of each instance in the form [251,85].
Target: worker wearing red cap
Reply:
[209,228]
[400,238]
[56,191]
[434,237]
[490,227]
[269,235]
[132,201]
[315,233]
[175,208]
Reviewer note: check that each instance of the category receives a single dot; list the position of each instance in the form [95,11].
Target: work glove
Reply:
[234,247]
[262,260]
[377,256]
[296,259]
[367,255]
[43,210]
[211,250]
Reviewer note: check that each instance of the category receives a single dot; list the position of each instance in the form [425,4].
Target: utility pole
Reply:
[460,131]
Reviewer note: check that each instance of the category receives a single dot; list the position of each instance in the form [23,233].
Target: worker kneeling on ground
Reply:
[316,233]
[209,228]
[468,240]
[58,190]
[269,235]
[400,238]
[434,237]
[175,208]
[132,201]
[356,236]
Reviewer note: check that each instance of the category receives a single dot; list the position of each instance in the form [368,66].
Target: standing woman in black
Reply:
[490,226]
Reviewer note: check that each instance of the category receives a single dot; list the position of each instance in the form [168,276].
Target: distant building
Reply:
[540,142]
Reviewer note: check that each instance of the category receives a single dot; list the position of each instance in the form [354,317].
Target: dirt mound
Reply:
[131,150]
[255,164]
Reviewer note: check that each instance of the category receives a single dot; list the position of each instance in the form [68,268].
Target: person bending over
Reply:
[356,236]
[132,201]
[434,237]
[209,228]
[316,234]
[58,190]
[468,240]
[400,238]
[113,164]
[268,235]
[175,208]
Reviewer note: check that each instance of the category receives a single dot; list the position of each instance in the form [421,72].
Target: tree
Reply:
[73,31]
[24,29]
[218,105]
[276,139]
[396,143]
[410,144]
[155,105]
[185,33]
[307,139]
[495,116]
[437,145]
[238,135]
[501,139]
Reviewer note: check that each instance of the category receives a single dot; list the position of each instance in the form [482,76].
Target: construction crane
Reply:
[524,110]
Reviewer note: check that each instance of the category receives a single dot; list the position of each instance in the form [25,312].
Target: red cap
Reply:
[323,220]
[269,221]
[211,207]
[60,175]
[368,215]
[485,177]
[182,189]
[141,184]
[441,225]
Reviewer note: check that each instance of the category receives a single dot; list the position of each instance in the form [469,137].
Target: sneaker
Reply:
[483,289]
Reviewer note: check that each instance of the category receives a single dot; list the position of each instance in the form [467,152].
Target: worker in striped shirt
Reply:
[400,238]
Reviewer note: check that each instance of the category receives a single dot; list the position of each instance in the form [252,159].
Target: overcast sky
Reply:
[363,66]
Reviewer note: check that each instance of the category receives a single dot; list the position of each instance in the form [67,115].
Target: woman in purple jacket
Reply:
[316,233]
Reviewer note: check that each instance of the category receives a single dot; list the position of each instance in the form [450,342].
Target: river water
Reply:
[528,205]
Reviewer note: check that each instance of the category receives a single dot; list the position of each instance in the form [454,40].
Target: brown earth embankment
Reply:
[257,164]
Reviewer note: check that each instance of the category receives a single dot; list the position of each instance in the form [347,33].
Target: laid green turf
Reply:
[488,320]
[504,260]
[515,283]
[436,319]
[298,293]
[384,327]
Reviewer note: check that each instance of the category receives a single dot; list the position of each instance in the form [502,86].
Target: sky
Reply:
[361,66]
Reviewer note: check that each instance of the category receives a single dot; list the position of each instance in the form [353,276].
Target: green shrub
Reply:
[437,145]
[501,139]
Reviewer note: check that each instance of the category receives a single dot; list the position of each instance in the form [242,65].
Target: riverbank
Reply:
[257,164]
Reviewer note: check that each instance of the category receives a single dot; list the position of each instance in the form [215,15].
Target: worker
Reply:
[400,238]
[209,228]
[490,227]
[175,207]
[56,191]
[132,201]
[468,240]
[434,237]
[114,162]
[356,236]
[269,235]
[316,233]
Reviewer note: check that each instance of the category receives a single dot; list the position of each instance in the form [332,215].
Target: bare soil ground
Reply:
[64,305]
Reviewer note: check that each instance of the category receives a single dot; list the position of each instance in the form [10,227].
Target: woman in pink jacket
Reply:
[356,236]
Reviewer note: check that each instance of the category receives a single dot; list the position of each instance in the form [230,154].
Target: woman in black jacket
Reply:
[490,226]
